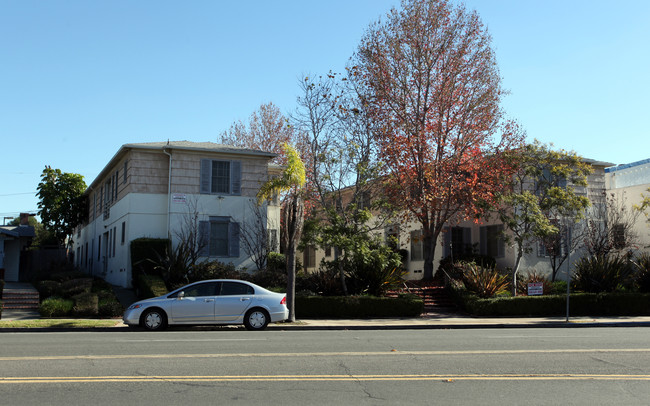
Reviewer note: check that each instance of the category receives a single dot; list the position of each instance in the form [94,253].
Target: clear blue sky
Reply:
[80,78]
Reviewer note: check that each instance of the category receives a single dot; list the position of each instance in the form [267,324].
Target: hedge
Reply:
[56,307]
[144,250]
[85,304]
[580,304]
[150,286]
[357,306]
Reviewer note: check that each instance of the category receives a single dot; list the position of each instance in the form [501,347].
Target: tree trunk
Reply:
[515,269]
[344,285]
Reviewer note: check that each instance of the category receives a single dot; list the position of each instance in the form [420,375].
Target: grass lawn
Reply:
[59,323]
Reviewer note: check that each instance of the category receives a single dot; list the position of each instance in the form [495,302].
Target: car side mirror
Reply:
[181,295]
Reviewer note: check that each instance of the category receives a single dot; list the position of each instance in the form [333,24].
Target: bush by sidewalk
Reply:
[358,306]
[580,304]
[81,297]
[150,286]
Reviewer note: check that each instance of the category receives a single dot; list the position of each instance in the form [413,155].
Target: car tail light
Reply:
[283,301]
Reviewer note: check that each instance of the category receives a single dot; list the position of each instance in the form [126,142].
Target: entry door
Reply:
[233,301]
[197,305]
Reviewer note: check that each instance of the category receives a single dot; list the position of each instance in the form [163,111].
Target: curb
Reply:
[356,327]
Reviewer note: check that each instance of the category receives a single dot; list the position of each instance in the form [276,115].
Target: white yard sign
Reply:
[535,289]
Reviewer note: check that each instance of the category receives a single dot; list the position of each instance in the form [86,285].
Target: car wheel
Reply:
[256,319]
[154,319]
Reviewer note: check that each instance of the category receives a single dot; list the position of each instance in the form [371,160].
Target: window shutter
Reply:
[235,178]
[501,243]
[233,239]
[115,183]
[483,242]
[204,238]
[206,175]
[467,240]
[447,241]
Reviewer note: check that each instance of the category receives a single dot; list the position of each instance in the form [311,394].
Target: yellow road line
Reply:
[318,378]
[326,354]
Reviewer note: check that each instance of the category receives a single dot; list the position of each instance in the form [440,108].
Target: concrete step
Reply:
[11,306]
[20,299]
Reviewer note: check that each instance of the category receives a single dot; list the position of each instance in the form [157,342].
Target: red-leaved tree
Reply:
[432,84]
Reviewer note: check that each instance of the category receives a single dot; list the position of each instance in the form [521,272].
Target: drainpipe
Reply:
[169,188]
[92,236]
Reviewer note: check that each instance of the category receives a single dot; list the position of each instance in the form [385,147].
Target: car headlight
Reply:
[134,306]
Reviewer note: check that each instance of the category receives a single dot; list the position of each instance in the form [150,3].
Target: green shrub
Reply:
[484,282]
[2,286]
[357,306]
[580,304]
[100,285]
[642,272]
[144,253]
[558,288]
[275,273]
[109,308]
[65,276]
[453,269]
[215,270]
[107,303]
[276,262]
[74,287]
[56,307]
[48,288]
[85,304]
[601,273]
[324,282]
[150,286]
[373,270]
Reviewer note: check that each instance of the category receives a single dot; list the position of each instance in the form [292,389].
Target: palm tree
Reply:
[291,183]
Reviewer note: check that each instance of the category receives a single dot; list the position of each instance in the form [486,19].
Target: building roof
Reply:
[199,146]
[18,231]
[178,145]
[593,162]
[627,166]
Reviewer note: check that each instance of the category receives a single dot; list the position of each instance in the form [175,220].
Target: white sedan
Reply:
[218,301]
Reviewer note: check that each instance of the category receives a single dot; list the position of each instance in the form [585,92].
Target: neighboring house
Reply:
[153,189]
[629,182]
[13,240]
[484,237]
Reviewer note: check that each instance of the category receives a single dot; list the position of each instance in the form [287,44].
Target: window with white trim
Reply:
[417,252]
[219,237]
[220,177]
[309,257]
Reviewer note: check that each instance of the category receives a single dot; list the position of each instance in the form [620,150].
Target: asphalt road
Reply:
[485,366]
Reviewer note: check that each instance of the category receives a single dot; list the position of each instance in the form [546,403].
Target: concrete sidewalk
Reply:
[427,321]
[419,323]
[455,321]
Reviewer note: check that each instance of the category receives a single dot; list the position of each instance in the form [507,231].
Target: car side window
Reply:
[201,289]
[236,288]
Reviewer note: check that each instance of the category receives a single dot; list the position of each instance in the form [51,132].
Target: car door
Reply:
[196,304]
[233,300]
